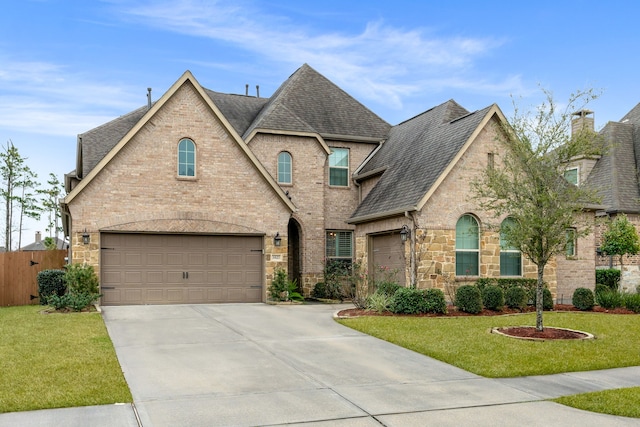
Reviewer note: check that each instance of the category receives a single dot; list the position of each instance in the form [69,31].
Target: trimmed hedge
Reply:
[468,299]
[493,298]
[610,277]
[408,301]
[516,298]
[51,282]
[417,301]
[583,299]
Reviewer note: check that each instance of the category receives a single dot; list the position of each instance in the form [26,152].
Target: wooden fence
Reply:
[18,274]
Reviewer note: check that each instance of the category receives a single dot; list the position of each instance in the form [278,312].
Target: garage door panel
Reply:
[154,259]
[150,269]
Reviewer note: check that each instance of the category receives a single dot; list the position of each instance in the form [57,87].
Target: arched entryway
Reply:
[294,250]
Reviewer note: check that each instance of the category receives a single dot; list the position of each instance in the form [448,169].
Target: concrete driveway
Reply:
[257,364]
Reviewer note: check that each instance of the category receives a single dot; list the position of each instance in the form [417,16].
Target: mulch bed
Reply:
[547,334]
[453,312]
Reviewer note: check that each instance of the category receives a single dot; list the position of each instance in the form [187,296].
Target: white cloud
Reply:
[375,63]
[46,98]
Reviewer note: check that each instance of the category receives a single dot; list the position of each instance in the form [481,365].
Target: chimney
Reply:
[148,98]
[582,120]
[38,237]
[257,91]
[246,90]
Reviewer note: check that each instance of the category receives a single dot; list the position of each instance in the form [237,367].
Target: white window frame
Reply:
[334,150]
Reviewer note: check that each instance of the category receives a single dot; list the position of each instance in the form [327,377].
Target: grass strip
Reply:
[622,402]
[57,360]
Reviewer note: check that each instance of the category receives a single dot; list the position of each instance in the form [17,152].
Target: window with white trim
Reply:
[510,256]
[467,246]
[339,246]
[284,168]
[186,158]
[571,175]
[571,247]
[339,167]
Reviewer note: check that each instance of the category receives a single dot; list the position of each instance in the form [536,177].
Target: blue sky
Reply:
[67,66]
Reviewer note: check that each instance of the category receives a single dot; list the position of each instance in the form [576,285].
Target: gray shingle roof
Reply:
[615,175]
[308,102]
[240,110]
[417,152]
[97,142]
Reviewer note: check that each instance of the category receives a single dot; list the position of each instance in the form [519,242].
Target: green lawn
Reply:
[622,402]
[56,361]
[466,342]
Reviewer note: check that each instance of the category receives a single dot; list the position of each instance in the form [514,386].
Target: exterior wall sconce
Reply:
[405,233]
[599,251]
[86,238]
[277,240]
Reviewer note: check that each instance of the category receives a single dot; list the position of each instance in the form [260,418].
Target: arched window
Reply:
[186,158]
[510,257]
[467,246]
[284,168]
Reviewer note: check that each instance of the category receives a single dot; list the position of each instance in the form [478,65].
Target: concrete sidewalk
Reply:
[257,364]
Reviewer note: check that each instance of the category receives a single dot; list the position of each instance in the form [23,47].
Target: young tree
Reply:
[527,182]
[621,238]
[27,201]
[50,198]
[12,172]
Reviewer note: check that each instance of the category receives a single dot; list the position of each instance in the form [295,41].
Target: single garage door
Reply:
[387,251]
[180,269]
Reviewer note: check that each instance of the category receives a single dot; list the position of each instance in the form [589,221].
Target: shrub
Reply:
[50,282]
[387,288]
[609,299]
[600,288]
[493,298]
[469,299]
[610,277]
[283,289]
[77,301]
[408,301]
[319,290]
[547,299]
[340,279]
[583,299]
[81,278]
[516,298]
[435,301]
[379,302]
[632,302]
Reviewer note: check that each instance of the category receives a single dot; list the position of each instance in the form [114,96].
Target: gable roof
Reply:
[417,156]
[309,103]
[94,144]
[615,174]
[187,77]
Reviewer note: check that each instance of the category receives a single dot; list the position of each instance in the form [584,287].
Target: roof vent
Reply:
[149,98]
[246,89]
[257,91]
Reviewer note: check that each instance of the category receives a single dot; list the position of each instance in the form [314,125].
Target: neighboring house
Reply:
[39,245]
[199,196]
[615,175]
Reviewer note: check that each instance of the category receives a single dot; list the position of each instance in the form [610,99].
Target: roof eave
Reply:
[381,215]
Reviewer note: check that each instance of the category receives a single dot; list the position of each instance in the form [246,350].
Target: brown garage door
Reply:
[180,269]
[387,251]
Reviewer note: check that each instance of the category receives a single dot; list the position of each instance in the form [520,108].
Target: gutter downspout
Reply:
[412,250]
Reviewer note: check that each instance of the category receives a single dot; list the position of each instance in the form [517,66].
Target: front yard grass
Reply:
[57,360]
[465,342]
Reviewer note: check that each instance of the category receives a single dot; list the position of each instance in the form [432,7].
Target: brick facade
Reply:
[139,191]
